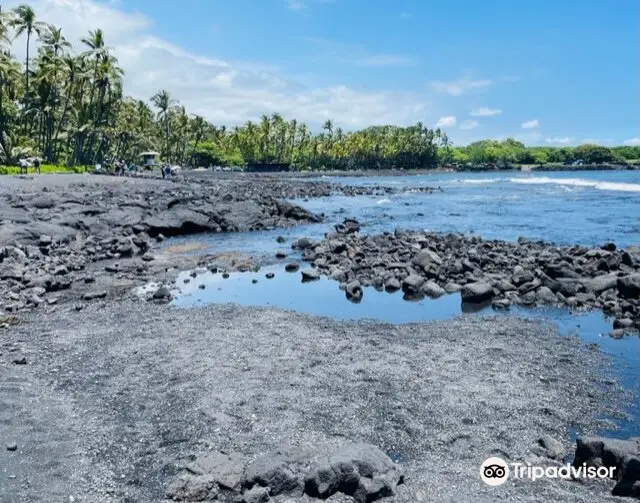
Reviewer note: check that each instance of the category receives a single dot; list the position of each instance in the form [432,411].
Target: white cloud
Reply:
[448,121]
[530,124]
[469,124]
[485,112]
[633,142]
[295,4]
[298,5]
[459,86]
[385,60]
[559,140]
[228,92]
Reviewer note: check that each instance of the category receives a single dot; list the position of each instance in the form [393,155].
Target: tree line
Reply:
[69,108]
[511,152]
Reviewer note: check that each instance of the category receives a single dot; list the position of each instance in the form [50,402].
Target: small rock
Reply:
[225,275]
[19,360]
[501,303]
[12,446]
[452,287]
[338,275]
[269,275]
[99,294]
[546,296]
[477,292]
[45,240]
[202,287]
[392,285]
[256,495]
[162,293]
[281,239]
[254,281]
[622,323]
[432,289]
[353,291]
[412,283]
[302,244]
[292,267]
[310,274]
[280,255]
[549,447]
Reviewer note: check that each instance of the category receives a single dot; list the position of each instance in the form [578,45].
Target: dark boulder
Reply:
[310,274]
[162,293]
[452,287]
[412,283]
[348,226]
[544,295]
[629,286]
[426,259]
[392,284]
[432,289]
[477,292]
[353,291]
[302,244]
[361,471]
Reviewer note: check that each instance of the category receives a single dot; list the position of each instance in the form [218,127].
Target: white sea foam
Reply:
[384,201]
[480,181]
[579,182]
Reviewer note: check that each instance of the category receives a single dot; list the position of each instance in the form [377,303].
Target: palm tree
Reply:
[4,30]
[24,21]
[9,75]
[162,101]
[53,38]
[197,125]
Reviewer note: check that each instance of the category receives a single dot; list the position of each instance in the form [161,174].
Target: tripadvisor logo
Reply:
[495,471]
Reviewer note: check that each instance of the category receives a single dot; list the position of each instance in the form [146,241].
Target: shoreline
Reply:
[127,391]
[132,392]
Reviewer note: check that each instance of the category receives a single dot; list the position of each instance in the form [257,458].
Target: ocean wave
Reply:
[579,182]
[480,181]
[384,201]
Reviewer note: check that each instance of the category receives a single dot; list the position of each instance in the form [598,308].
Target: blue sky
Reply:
[546,72]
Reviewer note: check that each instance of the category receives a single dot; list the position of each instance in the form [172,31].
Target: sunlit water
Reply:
[564,208]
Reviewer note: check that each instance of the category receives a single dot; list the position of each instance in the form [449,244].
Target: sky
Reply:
[546,72]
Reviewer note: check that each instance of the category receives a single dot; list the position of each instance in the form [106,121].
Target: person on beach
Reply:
[24,166]
[36,164]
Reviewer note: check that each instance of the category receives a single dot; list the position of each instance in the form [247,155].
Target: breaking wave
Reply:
[579,182]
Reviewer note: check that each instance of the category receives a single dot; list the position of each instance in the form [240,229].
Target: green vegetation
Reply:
[69,109]
[510,152]
[45,168]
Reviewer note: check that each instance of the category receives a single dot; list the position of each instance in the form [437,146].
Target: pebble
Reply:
[12,446]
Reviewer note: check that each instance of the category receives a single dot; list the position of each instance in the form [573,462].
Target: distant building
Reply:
[267,167]
[149,159]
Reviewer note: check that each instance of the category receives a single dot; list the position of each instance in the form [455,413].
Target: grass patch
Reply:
[45,168]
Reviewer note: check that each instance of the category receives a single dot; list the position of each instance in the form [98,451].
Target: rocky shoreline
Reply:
[55,230]
[139,401]
[527,273]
